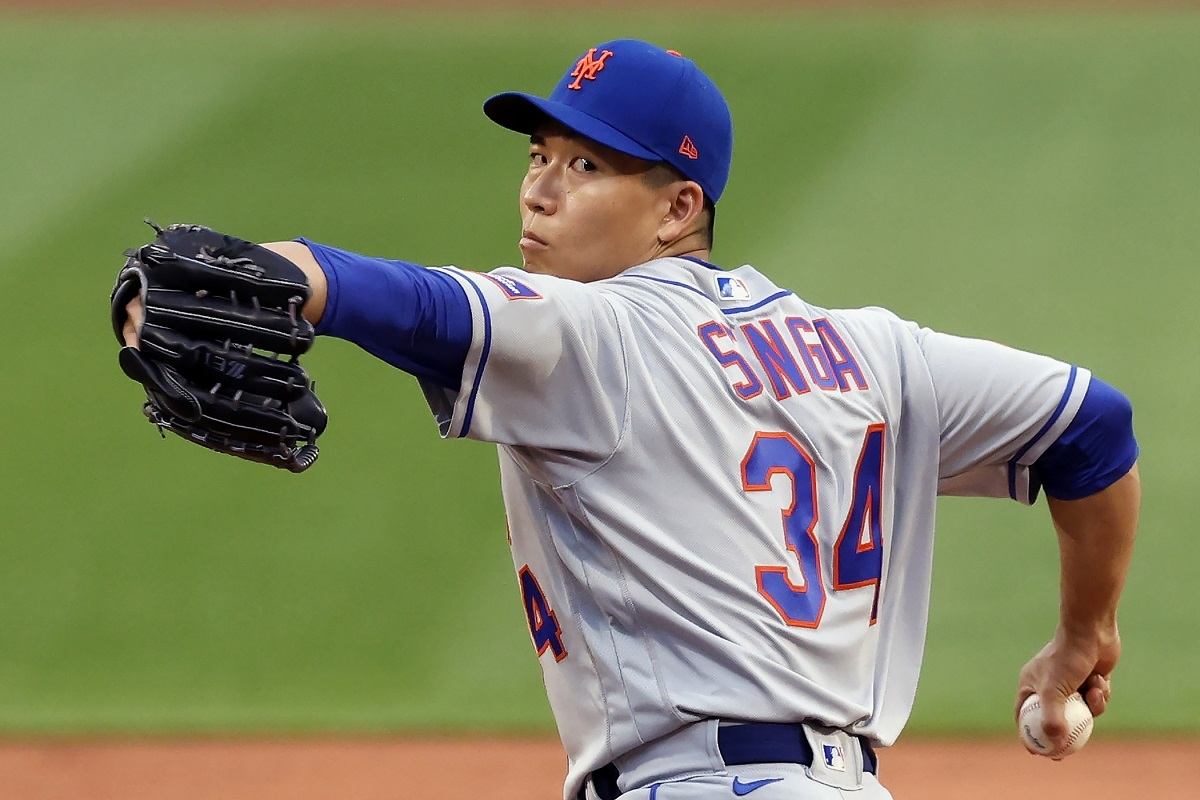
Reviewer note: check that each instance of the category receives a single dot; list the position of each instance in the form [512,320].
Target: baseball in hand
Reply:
[1079,727]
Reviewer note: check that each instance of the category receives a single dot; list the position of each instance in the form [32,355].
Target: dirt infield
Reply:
[489,769]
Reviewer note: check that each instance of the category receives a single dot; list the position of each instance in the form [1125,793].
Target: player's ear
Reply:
[684,212]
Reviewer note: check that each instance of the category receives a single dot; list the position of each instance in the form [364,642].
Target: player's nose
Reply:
[540,193]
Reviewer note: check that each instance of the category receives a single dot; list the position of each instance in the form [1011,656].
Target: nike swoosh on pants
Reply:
[742,789]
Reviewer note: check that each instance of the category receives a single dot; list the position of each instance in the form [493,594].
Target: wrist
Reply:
[300,255]
[1085,615]
[1090,632]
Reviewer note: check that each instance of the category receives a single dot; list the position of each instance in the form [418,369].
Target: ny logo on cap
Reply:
[587,67]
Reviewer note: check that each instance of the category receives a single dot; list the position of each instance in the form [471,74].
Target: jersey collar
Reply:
[702,263]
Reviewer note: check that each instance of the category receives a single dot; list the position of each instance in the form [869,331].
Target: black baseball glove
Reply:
[220,345]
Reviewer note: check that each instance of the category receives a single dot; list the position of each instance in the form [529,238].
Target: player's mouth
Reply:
[531,241]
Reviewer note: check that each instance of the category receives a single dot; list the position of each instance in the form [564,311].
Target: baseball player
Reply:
[720,496]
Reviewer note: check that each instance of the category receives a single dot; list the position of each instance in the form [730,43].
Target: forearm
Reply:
[414,318]
[1095,536]
[1091,480]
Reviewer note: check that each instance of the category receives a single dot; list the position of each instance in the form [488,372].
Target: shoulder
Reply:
[879,322]
[875,322]
[871,316]
[512,287]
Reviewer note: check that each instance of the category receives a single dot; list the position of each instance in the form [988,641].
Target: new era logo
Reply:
[587,67]
[688,148]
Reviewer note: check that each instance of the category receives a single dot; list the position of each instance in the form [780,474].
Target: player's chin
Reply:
[531,262]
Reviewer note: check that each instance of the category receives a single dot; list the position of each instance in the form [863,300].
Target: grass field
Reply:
[1030,178]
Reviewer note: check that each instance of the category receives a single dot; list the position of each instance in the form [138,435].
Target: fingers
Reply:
[130,334]
[1023,694]
[1097,690]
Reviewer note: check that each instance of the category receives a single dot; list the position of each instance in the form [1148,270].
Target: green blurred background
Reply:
[1027,177]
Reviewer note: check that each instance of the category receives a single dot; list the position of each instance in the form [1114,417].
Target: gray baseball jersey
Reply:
[721,498]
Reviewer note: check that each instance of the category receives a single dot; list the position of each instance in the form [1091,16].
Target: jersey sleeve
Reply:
[999,409]
[545,369]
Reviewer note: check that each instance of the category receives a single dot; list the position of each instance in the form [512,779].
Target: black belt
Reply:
[751,743]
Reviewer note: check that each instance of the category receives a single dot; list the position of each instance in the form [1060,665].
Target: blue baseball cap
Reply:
[639,99]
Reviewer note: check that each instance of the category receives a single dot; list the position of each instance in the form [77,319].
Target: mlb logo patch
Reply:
[730,288]
[834,757]
[513,290]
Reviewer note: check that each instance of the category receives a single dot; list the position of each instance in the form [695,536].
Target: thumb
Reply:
[1054,716]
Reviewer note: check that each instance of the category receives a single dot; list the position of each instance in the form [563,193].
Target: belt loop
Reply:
[604,783]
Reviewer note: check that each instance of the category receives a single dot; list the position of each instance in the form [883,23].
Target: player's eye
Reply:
[583,165]
[537,159]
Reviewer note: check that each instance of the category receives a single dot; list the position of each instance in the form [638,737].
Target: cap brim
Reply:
[522,113]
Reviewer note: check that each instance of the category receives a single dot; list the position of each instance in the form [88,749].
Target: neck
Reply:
[694,244]
[702,253]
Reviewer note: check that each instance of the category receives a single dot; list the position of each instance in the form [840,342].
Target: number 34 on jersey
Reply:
[796,591]
[858,551]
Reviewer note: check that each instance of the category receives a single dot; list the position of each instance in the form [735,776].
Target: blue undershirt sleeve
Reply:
[416,319]
[1095,450]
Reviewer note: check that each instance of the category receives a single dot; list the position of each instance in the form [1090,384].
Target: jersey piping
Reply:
[1058,422]
[483,357]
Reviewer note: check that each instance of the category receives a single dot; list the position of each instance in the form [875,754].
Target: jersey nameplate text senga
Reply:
[794,359]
